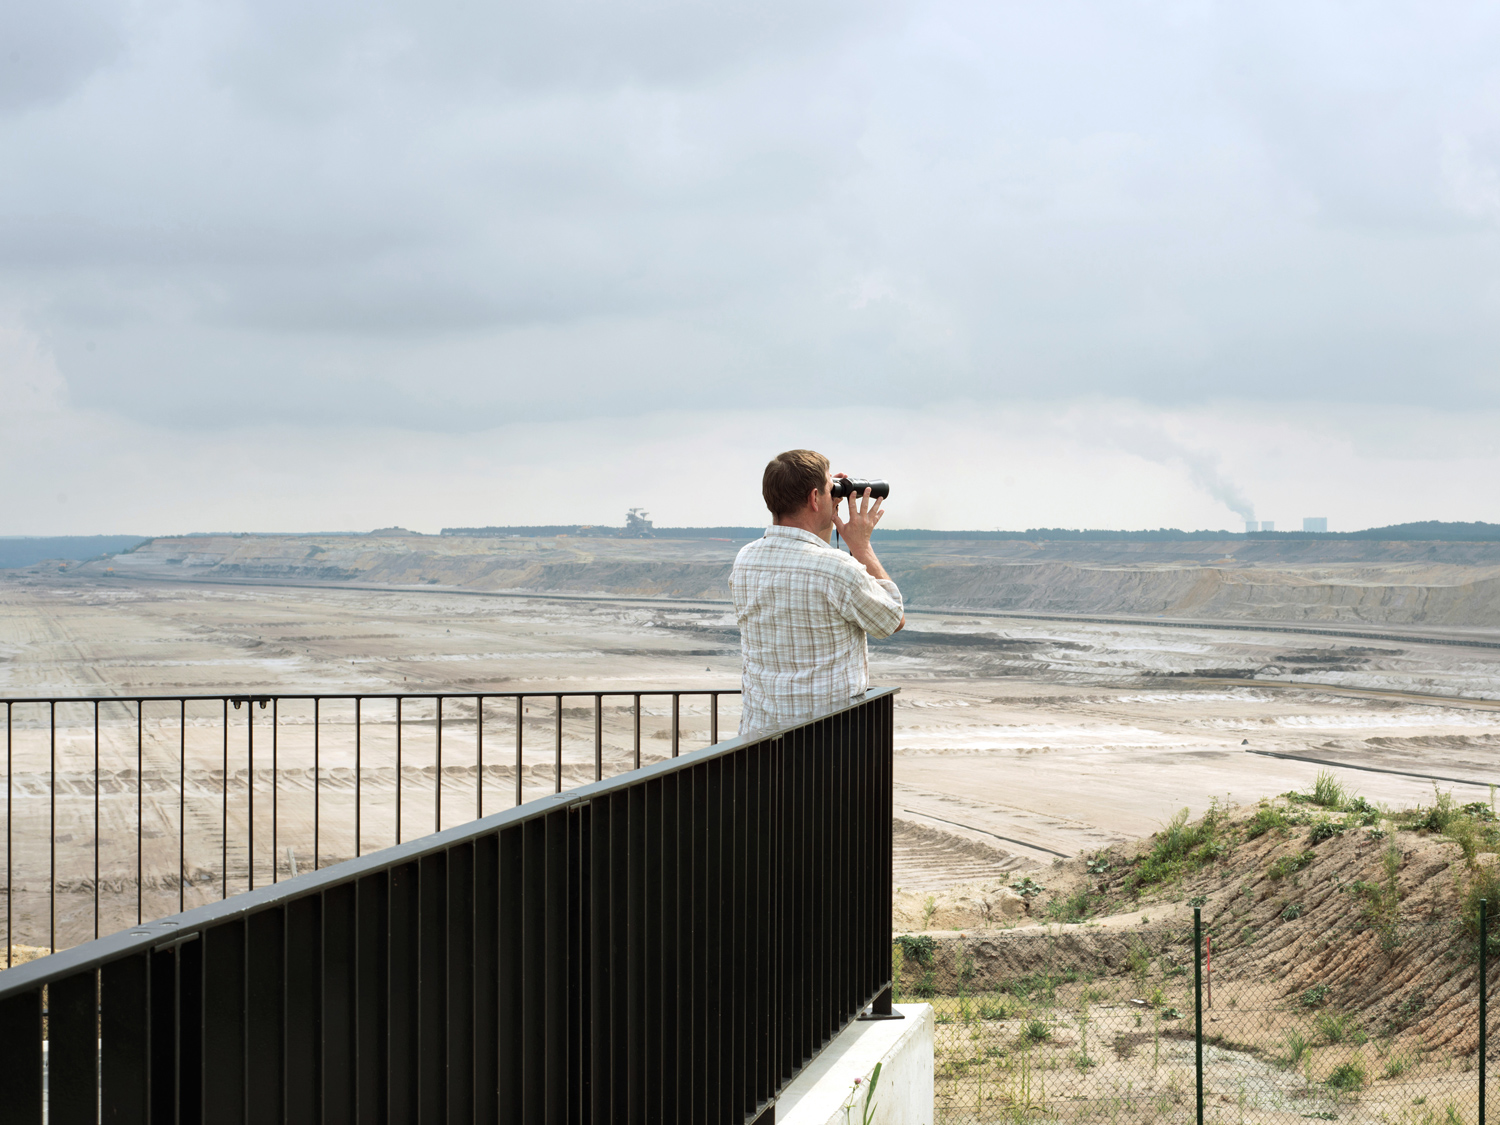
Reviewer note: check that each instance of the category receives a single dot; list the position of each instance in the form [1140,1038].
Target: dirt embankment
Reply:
[1375,921]
[1432,595]
[553,565]
[1356,582]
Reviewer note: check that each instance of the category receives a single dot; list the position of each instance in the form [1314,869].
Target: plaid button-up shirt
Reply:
[804,610]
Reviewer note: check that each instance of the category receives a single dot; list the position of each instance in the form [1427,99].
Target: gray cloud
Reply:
[453,216]
[49,50]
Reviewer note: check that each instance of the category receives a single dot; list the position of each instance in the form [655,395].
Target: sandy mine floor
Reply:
[1017,742]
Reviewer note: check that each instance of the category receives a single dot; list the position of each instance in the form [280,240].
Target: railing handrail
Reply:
[257,696]
[174,929]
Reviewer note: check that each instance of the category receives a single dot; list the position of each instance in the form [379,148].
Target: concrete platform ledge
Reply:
[904,1096]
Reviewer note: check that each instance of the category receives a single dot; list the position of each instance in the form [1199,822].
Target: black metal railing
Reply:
[210,789]
[672,945]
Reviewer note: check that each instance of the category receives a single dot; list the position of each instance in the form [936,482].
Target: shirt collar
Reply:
[781,531]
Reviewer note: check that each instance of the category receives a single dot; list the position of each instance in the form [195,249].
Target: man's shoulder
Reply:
[750,550]
[797,553]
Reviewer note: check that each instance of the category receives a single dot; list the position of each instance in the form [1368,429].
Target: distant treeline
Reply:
[18,552]
[1425,530]
[1397,532]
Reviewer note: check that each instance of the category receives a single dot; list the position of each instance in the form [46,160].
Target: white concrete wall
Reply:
[904,1095]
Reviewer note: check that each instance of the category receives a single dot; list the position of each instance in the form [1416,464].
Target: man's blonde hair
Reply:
[790,477]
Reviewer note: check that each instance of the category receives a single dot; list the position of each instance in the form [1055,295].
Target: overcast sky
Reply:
[296,266]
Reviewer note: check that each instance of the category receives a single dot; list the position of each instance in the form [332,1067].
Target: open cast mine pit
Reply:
[1021,741]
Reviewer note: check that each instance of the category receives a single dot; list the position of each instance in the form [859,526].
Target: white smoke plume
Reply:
[1155,444]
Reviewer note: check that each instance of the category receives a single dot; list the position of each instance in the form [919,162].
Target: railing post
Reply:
[318,779]
[359,763]
[52,834]
[520,731]
[275,782]
[1484,942]
[1198,1004]
[598,737]
[10,938]
[558,744]
[140,806]
[224,808]
[249,791]
[181,811]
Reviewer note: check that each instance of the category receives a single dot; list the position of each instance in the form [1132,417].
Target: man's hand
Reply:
[856,531]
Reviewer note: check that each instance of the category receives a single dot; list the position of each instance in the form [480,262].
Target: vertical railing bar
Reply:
[52,833]
[557,753]
[317,779]
[598,737]
[140,804]
[637,730]
[479,757]
[398,769]
[250,791]
[713,721]
[181,809]
[10,938]
[275,839]
[96,818]
[359,777]
[224,812]
[520,730]
[437,804]
[676,720]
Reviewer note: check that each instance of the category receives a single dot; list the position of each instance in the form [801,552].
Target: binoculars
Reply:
[855,486]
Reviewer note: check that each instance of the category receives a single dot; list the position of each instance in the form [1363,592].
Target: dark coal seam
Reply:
[985,832]
[1369,769]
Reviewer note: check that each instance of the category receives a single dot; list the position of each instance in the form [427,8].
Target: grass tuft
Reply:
[1181,848]
[1348,1076]
[1290,864]
[1328,791]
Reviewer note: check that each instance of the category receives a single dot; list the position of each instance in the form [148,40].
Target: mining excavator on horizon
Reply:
[637,526]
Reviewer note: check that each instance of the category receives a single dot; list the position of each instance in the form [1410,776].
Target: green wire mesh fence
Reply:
[1365,1021]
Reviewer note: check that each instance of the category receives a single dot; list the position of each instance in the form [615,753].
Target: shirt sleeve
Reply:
[873,604]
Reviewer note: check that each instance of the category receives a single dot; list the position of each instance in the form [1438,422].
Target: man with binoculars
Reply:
[805,608]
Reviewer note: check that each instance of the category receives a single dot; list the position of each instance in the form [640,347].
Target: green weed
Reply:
[917,947]
[1323,829]
[1036,1031]
[1181,848]
[1028,887]
[1335,1027]
[1397,1065]
[1328,791]
[1069,909]
[1290,864]
[1315,996]
[1348,1076]
[994,1008]
[1267,818]
[1296,1047]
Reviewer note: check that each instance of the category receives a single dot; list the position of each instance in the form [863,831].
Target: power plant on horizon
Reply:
[1309,523]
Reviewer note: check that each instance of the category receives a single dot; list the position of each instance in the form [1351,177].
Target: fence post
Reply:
[1484,925]
[1198,1004]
